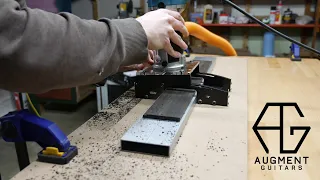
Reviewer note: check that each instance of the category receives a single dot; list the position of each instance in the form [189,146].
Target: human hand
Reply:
[160,27]
[141,66]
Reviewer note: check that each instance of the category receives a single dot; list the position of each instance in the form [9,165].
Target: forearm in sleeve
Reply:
[41,51]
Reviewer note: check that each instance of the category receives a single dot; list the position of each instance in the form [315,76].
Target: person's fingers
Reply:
[139,66]
[169,49]
[125,68]
[150,58]
[178,26]
[132,67]
[151,54]
[150,61]
[176,39]
[146,65]
[176,15]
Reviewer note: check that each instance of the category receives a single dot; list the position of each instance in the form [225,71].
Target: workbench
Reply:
[214,143]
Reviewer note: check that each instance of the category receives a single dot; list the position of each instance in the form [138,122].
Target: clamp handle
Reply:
[22,126]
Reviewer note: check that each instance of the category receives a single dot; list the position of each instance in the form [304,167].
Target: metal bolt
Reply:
[214,102]
[207,97]
[200,101]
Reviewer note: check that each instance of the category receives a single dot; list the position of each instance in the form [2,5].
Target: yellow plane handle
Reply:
[205,35]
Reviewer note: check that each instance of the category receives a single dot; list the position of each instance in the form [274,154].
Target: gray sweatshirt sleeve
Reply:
[41,51]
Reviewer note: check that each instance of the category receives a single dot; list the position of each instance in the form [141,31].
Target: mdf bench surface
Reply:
[213,144]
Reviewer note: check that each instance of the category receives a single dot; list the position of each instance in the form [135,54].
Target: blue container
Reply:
[194,16]
[268,44]
[154,3]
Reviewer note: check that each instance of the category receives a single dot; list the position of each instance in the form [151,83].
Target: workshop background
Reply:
[247,39]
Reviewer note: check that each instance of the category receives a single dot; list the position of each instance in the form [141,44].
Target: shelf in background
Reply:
[257,25]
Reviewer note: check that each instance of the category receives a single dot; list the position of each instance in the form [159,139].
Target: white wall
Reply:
[6,102]
[106,8]
[82,8]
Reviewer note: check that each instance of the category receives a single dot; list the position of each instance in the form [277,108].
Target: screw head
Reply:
[214,102]
[164,64]
[200,101]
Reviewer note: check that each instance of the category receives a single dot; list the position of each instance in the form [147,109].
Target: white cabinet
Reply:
[6,102]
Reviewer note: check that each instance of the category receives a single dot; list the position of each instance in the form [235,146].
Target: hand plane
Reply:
[171,72]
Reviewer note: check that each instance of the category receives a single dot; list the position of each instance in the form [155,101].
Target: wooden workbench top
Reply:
[281,80]
[214,144]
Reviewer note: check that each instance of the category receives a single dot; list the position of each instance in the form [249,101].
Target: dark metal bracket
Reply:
[151,86]
[211,89]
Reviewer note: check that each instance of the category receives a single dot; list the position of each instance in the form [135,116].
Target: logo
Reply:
[282,161]
[256,127]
